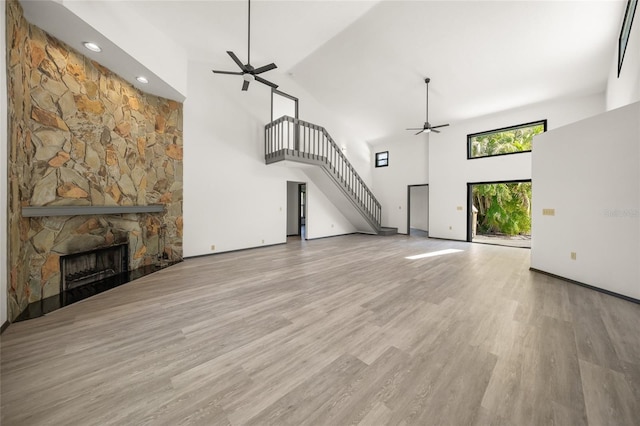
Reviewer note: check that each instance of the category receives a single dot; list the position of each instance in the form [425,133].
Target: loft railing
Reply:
[305,140]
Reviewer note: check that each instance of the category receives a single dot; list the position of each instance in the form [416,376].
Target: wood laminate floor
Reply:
[336,331]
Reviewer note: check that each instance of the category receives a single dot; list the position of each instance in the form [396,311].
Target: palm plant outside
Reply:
[505,142]
[503,208]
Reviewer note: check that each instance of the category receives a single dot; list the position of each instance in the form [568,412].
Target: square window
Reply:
[382,159]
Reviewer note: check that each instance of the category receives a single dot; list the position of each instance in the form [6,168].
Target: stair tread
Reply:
[386,230]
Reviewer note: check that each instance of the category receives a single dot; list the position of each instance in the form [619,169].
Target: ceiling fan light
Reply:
[248,77]
[426,131]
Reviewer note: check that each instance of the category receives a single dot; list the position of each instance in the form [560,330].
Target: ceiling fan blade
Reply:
[265,69]
[421,131]
[236,60]
[416,128]
[442,125]
[227,72]
[434,130]
[268,83]
[245,85]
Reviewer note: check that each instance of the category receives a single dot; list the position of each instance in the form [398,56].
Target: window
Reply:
[508,140]
[382,159]
[625,31]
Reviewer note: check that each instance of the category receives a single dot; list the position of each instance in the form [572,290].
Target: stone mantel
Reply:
[88,210]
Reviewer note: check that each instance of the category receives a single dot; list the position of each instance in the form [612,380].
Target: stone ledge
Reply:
[88,210]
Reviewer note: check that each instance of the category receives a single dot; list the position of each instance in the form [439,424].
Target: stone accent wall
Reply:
[81,135]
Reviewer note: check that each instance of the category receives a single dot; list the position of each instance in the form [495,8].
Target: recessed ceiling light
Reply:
[92,46]
[142,79]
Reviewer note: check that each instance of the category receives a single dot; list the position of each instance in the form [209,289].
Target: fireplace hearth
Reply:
[88,267]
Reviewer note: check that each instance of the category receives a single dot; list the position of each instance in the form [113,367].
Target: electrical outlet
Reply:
[262,241]
[450,228]
[459,208]
[573,255]
[213,247]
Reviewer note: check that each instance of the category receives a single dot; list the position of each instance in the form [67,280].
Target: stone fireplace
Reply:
[82,137]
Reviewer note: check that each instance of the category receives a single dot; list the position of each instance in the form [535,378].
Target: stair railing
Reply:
[310,141]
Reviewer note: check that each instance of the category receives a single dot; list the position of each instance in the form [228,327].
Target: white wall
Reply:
[408,165]
[323,218]
[625,89]
[4,162]
[292,208]
[589,172]
[232,199]
[419,208]
[450,171]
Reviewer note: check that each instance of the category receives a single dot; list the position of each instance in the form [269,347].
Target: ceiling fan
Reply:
[249,73]
[427,128]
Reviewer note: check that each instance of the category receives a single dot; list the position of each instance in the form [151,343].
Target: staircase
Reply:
[311,148]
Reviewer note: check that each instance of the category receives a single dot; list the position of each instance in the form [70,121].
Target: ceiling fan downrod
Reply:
[427,127]
[248,72]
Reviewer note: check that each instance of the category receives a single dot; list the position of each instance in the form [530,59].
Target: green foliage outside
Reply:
[503,208]
[508,141]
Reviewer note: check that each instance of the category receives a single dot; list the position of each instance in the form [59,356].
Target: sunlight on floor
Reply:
[433,253]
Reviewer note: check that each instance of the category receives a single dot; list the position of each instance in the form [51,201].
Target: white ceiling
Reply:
[482,57]
[284,32]
[367,60]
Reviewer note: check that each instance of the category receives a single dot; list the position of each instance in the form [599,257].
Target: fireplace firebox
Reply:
[88,267]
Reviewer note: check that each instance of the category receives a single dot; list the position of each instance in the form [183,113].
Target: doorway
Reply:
[418,210]
[297,209]
[302,212]
[499,213]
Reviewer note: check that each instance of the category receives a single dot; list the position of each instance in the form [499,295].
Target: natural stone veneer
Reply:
[81,135]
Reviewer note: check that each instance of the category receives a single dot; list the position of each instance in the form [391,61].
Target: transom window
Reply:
[508,140]
[382,159]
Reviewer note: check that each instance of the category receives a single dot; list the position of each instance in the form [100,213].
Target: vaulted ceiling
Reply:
[367,60]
